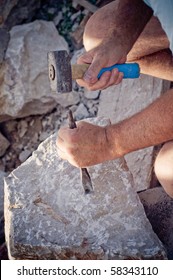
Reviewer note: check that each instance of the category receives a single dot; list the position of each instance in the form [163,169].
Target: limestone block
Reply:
[48,216]
[25,89]
[124,100]
[159,210]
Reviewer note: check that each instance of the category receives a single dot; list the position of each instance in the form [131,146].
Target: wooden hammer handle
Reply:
[129,70]
[78,70]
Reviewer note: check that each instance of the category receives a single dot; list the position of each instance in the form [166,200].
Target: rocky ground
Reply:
[24,135]
[21,136]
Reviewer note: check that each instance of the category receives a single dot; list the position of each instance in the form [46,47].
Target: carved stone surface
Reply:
[48,216]
[124,100]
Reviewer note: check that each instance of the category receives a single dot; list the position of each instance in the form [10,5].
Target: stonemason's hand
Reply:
[104,49]
[108,37]
[85,145]
[99,58]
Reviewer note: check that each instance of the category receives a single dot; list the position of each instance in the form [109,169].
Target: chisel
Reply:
[85,177]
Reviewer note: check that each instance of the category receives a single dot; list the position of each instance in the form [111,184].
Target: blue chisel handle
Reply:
[130,70]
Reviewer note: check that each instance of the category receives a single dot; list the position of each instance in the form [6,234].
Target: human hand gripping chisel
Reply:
[85,177]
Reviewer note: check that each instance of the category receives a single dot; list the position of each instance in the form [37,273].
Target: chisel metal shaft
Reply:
[85,177]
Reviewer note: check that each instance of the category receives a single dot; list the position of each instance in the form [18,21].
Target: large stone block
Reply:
[48,216]
[25,89]
[124,100]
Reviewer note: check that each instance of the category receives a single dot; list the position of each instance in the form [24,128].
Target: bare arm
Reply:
[90,144]
[152,126]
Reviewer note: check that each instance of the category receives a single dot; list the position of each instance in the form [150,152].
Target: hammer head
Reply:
[60,75]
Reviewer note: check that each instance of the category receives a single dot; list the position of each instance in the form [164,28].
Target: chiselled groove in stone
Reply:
[15,206]
[48,210]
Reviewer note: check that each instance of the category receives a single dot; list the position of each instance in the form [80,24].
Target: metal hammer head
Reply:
[60,75]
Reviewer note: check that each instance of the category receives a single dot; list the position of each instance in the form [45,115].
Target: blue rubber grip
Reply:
[130,70]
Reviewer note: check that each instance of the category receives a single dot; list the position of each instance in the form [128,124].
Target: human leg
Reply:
[164,167]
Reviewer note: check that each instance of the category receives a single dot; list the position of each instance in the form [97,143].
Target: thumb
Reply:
[96,62]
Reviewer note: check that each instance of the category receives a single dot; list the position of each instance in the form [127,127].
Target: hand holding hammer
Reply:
[61,72]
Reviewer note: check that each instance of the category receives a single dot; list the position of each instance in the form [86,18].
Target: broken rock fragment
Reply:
[48,216]
[25,88]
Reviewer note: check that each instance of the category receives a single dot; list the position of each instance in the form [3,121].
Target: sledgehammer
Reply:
[61,72]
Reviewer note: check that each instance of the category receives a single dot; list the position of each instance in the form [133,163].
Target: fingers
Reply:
[98,60]
[107,79]
[95,62]
[63,141]
[60,144]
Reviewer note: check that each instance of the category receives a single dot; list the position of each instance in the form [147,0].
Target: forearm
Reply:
[152,126]
[158,64]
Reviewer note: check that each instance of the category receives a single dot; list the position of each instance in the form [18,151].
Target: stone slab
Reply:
[48,216]
[124,100]
[159,210]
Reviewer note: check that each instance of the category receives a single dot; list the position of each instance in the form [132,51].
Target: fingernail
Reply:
[122,74]
[89,79]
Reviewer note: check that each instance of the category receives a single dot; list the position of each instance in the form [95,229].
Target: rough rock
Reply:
[24,155]
[5,9]
[81,112]
[4,39]
[4,144]
[124,100]
[25,89]
[92,94]
[68,99]
[159,210]
[47,215]
[13,12]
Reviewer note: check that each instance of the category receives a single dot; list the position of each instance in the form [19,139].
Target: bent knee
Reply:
[163,167]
